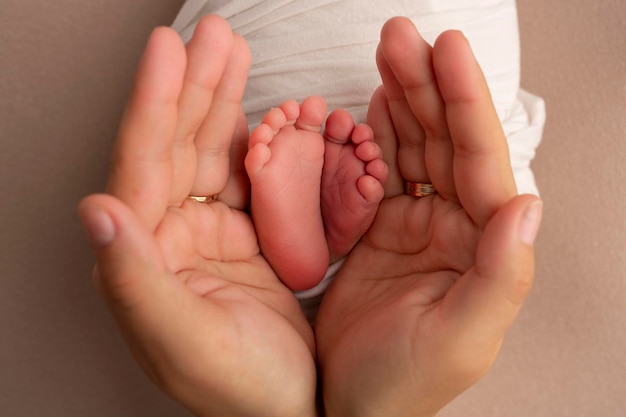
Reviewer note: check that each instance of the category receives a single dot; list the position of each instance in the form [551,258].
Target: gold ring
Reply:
[418,189]
[203,199]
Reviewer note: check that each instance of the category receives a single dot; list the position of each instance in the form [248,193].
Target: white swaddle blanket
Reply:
[327,47]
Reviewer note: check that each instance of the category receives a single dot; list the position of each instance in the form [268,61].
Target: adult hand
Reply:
[199,307]
[419,310]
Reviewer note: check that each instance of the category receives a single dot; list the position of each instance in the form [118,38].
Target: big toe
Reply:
[339,126]
[312,114]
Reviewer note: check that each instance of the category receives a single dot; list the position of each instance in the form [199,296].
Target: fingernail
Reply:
[529,226]
[98,225]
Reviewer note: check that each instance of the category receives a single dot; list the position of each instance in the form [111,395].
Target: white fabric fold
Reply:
[327,48]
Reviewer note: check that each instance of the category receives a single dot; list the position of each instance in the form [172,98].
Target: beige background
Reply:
[65,71]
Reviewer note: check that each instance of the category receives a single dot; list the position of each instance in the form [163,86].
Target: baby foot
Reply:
[352,182]
[284,163]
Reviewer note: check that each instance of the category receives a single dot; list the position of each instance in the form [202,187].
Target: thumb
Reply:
[127,255]
[132,277]
[483,304]
[505,255]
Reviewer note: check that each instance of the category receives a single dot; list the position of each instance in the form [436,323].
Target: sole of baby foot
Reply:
[352,182]
[284,163]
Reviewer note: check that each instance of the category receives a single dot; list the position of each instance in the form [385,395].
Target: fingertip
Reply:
[161,67]
[514,222]
[505,253]
[530,222]
[161,38]
[451,36]
[213,22]
[164,31]
[97,223]
[241,51]
[211,41]
[401,45]
[393,24]
[453,61]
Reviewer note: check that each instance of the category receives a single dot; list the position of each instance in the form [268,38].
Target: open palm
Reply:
[418,311]
[201,309]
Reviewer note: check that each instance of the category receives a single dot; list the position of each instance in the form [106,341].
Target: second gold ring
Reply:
[418,189]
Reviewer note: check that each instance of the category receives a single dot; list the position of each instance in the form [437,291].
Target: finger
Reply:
[417,96]
[236,193]
[214,138]
[379,119]
[483,304]
[141,171]
[126,252]
[482,168]
[133,279]
[410,135]
[207,55]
